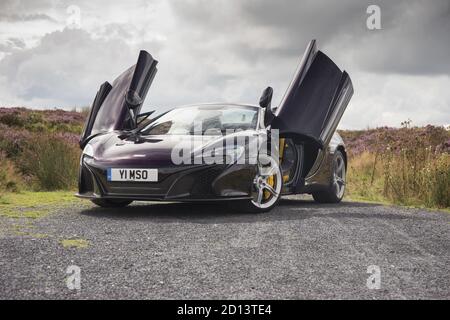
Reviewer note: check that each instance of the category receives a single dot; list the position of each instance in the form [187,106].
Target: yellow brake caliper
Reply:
[271,179]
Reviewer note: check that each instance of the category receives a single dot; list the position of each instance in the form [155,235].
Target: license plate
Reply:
[137,175]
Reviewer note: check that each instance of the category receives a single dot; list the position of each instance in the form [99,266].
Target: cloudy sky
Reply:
[55,53]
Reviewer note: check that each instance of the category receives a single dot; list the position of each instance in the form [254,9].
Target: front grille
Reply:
[85,181]
[203,181]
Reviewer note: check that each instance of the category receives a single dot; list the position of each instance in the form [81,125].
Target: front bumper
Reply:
[176,183]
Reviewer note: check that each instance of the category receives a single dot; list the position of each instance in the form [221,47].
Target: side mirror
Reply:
[266,98]
[133,102]
[265,102]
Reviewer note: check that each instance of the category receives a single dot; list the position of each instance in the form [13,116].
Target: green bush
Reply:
[10,179]
[408,166]
[436,180]
[363,177]
[417,177]
[12,119]
[52,162]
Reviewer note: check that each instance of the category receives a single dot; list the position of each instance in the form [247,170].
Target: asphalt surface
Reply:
[169,251]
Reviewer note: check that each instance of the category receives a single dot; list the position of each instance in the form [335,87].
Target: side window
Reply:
[239,119]
[243,116]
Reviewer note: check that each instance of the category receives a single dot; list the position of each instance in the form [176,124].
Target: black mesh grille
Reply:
[203,181]
[86,183]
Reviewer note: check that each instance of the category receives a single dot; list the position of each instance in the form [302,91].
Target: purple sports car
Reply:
[247,155]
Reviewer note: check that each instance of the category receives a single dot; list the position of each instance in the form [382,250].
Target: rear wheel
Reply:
[335,192]
[109,203]
[266,189]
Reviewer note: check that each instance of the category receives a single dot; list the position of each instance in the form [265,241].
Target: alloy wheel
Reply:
[339,176]
[267,183]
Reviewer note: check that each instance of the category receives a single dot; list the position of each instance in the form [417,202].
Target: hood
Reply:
[118,149]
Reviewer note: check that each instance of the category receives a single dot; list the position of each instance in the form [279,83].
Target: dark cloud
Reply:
[416,41]
[413,39]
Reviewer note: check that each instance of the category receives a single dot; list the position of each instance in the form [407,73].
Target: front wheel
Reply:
[266,188]
[109,203]
[335,191]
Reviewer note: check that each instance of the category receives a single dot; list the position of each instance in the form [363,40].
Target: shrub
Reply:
[413,175]
[409,166]
[363,173]
[435,177]
[42,120]
[52,162]
[376,140]
[10,179]
[417,176]
[11,119]
[12,140]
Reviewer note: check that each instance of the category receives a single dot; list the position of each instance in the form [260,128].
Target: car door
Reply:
[311,109]
[116,105]
[315,99]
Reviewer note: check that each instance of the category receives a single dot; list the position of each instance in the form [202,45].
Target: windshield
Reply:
[204,120]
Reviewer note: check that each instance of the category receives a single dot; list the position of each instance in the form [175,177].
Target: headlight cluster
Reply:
[88,150]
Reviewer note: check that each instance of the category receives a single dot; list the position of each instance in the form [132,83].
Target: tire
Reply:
[336,189]
[266,188]
[108,203]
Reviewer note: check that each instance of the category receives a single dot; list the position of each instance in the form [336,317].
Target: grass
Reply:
[413,178]
[33,205]
[75,243]
[390,203]
[27,206]
[409,166]
[363,181]
[32,235]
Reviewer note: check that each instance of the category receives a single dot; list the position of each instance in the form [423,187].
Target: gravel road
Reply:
[169,251]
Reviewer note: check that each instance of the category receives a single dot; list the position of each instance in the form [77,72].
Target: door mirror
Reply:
[266,98]
[265,102]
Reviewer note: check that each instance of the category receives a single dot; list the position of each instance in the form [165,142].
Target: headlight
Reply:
[88,150]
